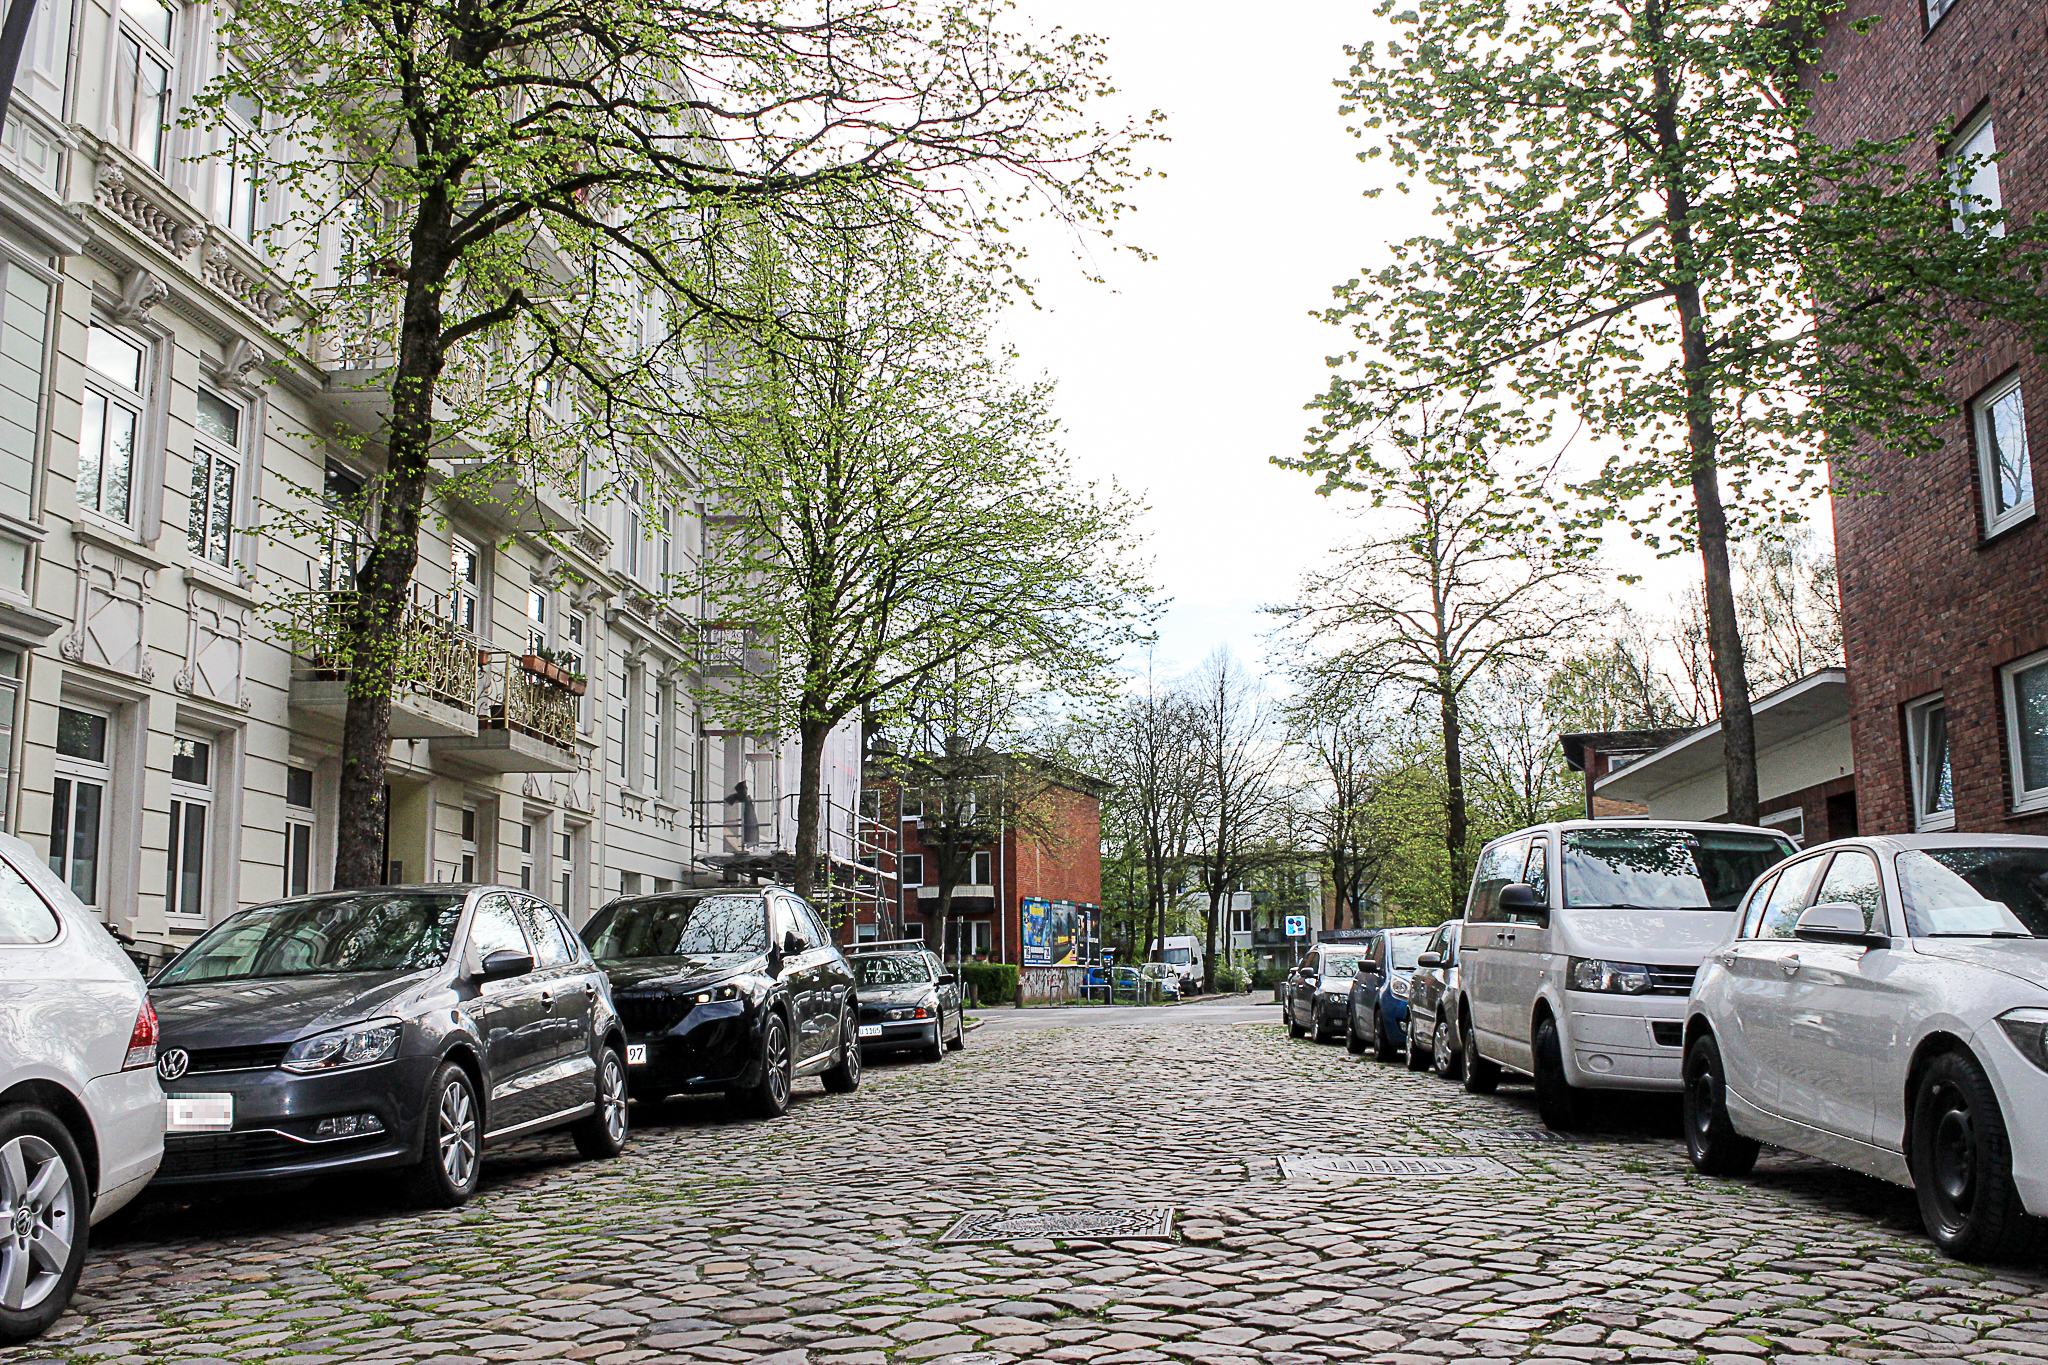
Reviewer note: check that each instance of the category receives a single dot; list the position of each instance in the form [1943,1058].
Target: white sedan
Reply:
[1882,1003]
[81,1113]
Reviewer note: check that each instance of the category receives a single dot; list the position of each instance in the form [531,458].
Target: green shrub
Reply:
[993,983]
[1267,978]
[1229,981]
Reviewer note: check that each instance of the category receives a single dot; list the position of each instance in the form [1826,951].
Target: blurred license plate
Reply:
[636,1054]
[870,1030]
[199,1113]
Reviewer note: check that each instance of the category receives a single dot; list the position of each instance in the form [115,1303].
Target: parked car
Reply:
[398,1028]
[1376,1010]
[1315,998]
[1580,945]
[1882,1003]
[1165,978]
[81,1117]
[731,989]
[906,996]
[1433,1001]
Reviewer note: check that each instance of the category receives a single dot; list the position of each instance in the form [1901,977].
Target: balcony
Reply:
[513,499]
[435,693]
[526,720]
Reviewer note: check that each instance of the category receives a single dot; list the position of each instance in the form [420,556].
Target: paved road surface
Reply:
[815,1239]
[1236,1010]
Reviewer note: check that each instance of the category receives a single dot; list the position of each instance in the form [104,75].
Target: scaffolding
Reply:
[751,838]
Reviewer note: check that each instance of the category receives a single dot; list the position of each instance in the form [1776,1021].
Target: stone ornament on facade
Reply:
[112,193]
[109,611]
[216,643]
[221,271]
[237,369]
[140,292]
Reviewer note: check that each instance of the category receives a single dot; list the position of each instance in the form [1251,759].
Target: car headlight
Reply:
[1400,988]
[1609,978]
[357,1045]
[729,991]
[2028,1029]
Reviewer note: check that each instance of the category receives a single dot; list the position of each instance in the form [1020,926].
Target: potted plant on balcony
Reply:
[543,662]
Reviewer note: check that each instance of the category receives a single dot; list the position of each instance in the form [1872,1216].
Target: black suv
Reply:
[736,989]
[401,1026]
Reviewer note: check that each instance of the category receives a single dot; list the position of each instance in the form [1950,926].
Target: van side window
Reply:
[1538,873]
[1498,866]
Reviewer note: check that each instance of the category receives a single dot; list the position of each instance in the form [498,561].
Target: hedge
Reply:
[1229,982]
[993,983]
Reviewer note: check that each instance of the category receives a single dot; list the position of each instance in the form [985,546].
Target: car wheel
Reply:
[1711,1142]
[1561,1105]
[1443,1060]
[1294,1030]
[844,1077]
[1418,1060]
[959,1039]
[1962,1164]
[768,1097]
[447,1171]
[1353,1044]
[935,1051]
[1481,1076]
[45,1216]
[602,1136]
[1383,1047]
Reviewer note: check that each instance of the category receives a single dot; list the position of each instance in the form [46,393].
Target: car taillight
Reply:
[142,1041]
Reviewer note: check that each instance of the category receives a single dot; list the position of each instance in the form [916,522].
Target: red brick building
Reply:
[1944,567]
[1057,859]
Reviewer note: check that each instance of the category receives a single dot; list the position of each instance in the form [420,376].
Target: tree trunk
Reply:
[1209,942]
[811,737]
[942,914]
[372,634]
[1455,822]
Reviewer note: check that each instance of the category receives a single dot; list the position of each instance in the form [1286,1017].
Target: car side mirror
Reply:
[506,962]
[1836,922]
[1430,960]
[1520,898]
[793,943]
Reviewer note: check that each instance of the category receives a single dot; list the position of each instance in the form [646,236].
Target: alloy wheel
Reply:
[457,1134]
[613,1099]
[38,1217]
[1440,1048]
[1703,1106]
[1955,1153]
[776,1060]
[849,1031]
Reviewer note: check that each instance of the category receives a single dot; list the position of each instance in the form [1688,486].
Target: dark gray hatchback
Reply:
[397,1027]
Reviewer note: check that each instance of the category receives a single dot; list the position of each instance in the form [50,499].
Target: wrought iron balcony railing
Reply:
[433,655]
[519,696]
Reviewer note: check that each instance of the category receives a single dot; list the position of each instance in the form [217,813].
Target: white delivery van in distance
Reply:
[1181,955]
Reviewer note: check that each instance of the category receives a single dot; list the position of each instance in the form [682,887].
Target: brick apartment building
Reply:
[1944,572]
[1057,862]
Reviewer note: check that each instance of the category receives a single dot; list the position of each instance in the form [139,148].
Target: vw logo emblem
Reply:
[173,1064]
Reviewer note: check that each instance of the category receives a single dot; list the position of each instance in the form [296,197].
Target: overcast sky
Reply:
[1183,376]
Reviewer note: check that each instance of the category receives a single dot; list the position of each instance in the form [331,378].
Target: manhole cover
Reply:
[1005,1225]
[1327,1167]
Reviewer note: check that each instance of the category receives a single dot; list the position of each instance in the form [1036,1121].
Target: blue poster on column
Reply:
[1037,952]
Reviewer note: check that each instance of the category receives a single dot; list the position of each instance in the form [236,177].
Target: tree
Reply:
[1347,743]
[515,179]
[897,518]
[1518,774]
[1636,226]
[1236,802]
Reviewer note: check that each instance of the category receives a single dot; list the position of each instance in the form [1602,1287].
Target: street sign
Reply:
[1240,940]
[1297,926]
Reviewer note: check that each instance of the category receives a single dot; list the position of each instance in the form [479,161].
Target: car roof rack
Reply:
[887,945]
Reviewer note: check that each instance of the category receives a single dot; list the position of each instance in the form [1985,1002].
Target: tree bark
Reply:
[1456,823]
[811,737]
[1209,943]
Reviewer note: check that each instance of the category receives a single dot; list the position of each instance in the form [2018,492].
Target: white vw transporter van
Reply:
[1581,942]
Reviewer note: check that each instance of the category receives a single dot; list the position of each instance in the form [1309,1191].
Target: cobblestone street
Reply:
[816,1238]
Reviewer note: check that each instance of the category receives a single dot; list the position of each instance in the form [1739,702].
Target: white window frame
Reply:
[341,544]
[237,169]
[210,457]
[186,799]
[71,771]
[2023,797]
[114,395]
[131,127]
[664,739]
[630,557]
[974,865]
[466,595]
[1996,521]
[1792,821]
[1917,712]
[1974,197]
[567,868]
[301,832]
[526,854]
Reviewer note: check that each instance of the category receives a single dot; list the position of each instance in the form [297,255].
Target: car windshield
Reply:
[1975,892]
[1665,869]
[1342,964]
[1405,948]
[680,926]
[892,969]
[1178,956]
[403,932]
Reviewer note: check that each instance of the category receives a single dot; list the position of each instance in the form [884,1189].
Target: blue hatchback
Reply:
[1379,993]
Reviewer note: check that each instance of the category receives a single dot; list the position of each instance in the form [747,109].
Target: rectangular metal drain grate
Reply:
[1009,1225]
[1512,1135]
[1340,1167]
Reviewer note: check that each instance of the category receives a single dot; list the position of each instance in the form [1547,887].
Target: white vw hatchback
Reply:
[81,1114]
[1882,1003]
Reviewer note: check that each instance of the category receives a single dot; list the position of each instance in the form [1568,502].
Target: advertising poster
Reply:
[1036,951]
[1062,940]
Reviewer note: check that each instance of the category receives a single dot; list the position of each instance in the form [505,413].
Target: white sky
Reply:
[1182,376]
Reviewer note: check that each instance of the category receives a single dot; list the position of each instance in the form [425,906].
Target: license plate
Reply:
[199,1113]
[636,1054]
[870,1030]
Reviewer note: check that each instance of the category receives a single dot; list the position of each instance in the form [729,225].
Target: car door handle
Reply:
[1726,959]
[547,1000]
[590,989]
[1789,964]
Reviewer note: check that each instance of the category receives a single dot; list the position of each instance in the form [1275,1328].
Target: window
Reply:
[1975,175]
[913,803]
[465,584]
[1935,9]
[565,871]
[982,871]
[913,869]
[2003,467]
[238,183]
[495,928]
[2026,729]
[466,855]
[1791,822]
[629,883]
[77,824]
[216,469]
[112,422]
[536,619]
[23,916]
[340,556]
[665,563]
[144,57]
[526,857]
[1537,874]
[1498,866]
[1773,915]
[1852,880]
[10,699]
[1934,800]
[664,740]
[629,538]
[553,944]
[191,813]
[298,831]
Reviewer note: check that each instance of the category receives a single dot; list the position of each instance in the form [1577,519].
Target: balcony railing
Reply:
[434,656]
[515,697]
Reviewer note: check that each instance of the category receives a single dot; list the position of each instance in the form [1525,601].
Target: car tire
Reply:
[53,1186]
[1711,1142]
[1294,1030]
[1481,1076]
[1382,1046]
[1446,1061]
[843,1077]
[452,1150]
[768,1096]
[1962,1165]
[1353,1044]
[959,1039]
[1560,1104]
[935,1051]
[602,1135]
[1418,1060]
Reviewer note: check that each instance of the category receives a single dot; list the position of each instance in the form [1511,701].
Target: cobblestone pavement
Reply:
[815,1238]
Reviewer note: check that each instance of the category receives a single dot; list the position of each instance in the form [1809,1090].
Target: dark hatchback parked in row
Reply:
[734,990]
[395,1028]
[906,998]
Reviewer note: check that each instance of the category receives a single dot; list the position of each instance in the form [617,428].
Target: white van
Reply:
[1181,955]
[1581,942]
